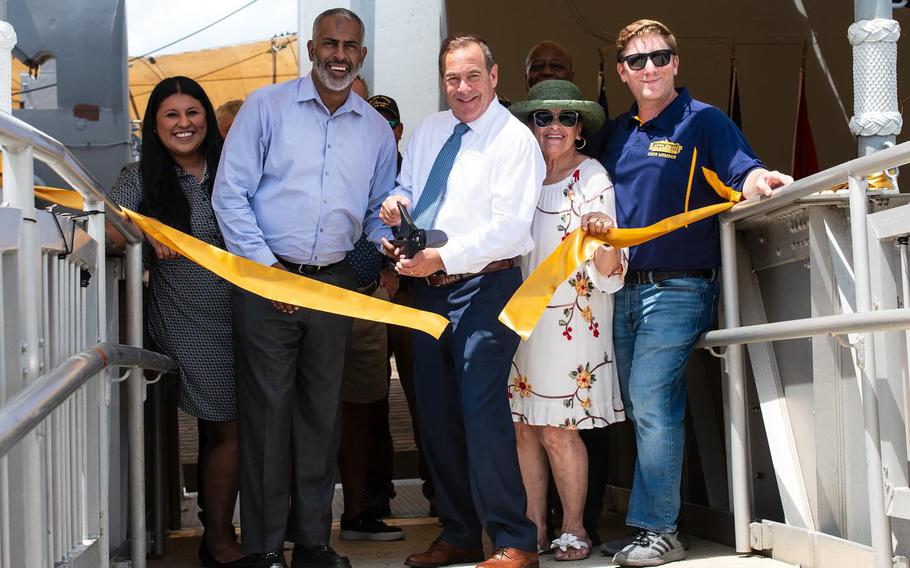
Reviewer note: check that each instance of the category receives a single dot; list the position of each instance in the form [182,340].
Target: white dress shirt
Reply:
[492,189]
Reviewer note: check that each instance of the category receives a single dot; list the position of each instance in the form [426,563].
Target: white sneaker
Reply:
[651,549]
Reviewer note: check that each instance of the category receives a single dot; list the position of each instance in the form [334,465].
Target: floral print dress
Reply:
[564,375]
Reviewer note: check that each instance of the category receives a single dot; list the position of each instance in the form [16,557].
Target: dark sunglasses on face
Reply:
[543,118]
[637,61]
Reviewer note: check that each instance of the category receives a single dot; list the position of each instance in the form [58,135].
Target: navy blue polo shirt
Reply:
[649,165]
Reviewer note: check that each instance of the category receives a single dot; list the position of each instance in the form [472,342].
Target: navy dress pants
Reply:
[463,412]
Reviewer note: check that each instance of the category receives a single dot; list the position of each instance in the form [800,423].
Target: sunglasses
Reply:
[637,61]
[394,123]
[544,118]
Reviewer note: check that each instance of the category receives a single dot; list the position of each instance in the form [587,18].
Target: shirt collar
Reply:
[667,117]
[484,121]
[306,91]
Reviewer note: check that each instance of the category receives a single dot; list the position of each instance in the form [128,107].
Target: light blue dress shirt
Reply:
[299,183]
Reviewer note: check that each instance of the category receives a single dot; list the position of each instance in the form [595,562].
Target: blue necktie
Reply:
[434,191]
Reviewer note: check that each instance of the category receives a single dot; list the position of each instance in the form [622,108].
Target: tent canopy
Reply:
[226,73]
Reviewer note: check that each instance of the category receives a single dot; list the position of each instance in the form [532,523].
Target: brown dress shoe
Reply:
[510,558]
[442,553]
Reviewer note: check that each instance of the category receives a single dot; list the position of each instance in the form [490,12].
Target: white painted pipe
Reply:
[736,396]
[879,523]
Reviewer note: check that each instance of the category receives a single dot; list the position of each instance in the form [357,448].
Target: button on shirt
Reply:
[298,183]
[492,189]
[650,164]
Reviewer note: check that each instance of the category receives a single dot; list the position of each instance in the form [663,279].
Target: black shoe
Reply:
[368,526]
[205,556]
[271,560]
[320,556]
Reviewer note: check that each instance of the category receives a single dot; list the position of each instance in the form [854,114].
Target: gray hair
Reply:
[460,41]
[339,13]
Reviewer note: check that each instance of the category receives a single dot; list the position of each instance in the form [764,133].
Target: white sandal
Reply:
[567,541]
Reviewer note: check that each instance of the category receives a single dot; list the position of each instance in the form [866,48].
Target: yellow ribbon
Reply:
[267,281]
[530,301]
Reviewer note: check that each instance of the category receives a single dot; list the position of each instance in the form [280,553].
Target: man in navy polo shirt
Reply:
[671,289]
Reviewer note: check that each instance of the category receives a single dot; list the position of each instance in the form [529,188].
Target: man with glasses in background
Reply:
[671,284]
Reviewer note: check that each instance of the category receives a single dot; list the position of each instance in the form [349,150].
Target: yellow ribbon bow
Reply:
[529,302]
[267,281]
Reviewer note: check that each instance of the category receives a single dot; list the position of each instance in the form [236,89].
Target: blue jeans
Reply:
[654,328]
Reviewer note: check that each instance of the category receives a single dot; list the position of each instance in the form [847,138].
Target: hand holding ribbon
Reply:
[275,284]
[524,309]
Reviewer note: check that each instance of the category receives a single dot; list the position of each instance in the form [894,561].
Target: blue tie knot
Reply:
[461,128]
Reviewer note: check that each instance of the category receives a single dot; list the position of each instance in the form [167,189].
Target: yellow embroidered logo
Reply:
[664,149]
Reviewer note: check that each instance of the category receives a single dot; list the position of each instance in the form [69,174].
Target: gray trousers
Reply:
[289,369]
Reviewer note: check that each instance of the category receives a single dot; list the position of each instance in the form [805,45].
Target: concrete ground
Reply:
[182,547]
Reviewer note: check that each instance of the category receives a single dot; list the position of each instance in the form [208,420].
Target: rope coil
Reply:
[875,77]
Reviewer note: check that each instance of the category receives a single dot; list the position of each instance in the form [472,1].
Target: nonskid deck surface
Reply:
[182,548]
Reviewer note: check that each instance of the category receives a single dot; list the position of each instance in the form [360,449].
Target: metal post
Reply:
[157,482]
[4,461]
[135,410]
[18,173]
[879,523]
[96,232]
[874,34]
[7,42]
[905,298]
[736,395]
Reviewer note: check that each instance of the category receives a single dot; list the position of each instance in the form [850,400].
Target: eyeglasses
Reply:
[394,123]
[544,118]
[637,61]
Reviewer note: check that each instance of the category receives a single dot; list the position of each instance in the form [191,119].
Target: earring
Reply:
[583,143]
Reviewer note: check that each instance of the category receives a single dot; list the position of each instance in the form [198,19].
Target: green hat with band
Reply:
[565,95]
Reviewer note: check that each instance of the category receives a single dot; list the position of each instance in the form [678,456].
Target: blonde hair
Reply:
[641,29]
[230,108]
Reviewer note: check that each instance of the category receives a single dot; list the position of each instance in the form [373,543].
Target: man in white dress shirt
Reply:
[474,172]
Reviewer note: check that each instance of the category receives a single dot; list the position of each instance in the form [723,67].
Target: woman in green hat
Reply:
[563,378]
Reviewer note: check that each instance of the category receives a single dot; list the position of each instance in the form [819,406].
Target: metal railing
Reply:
[22,413]
[864,321]
[58,315]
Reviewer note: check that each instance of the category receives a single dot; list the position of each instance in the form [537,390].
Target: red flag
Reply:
[805,160]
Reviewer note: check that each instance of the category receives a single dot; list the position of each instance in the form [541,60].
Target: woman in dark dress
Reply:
[189,307]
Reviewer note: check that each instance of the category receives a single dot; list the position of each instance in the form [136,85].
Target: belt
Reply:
[442,279]
[307,268]
[655,276]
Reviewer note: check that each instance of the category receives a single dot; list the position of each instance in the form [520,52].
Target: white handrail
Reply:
[16,135]
[23,412]
[865,166]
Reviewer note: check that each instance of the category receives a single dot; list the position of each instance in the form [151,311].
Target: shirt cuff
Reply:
[264,256]
[453,258]
[400,191]
[387,235]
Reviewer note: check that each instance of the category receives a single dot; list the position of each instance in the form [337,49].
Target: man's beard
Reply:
[331,83]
